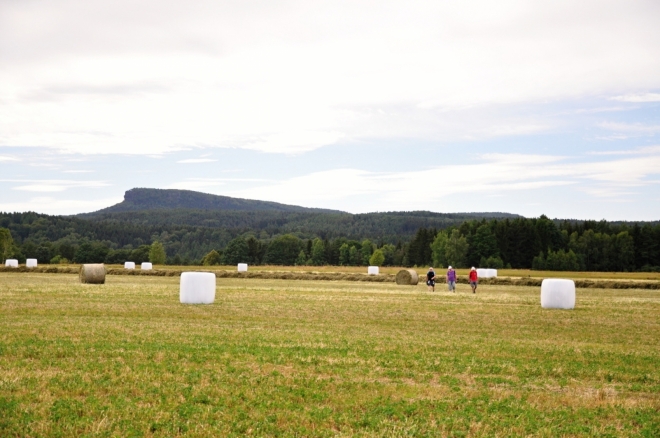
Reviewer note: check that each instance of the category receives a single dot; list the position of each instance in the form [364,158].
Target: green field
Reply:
[299,358]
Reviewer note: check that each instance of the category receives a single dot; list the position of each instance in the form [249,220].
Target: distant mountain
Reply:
[140,199]
[184,208]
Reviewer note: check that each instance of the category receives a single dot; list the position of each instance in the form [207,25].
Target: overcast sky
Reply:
[528,107]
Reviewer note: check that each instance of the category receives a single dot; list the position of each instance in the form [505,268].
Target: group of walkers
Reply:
[451,279]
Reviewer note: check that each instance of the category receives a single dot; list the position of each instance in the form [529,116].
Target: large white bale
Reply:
[197,288]
[146,266]
[372,270]
[486,273]
[557,293]
[129,265]
[12,263]
[31,263]
[242,267]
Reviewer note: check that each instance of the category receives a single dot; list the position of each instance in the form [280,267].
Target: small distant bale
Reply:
[93,273]
[129,265]
[197,288]
[11,263]
[146,266]
[373,270]
[557,293]
[407,277]
[31,263]
[242,267]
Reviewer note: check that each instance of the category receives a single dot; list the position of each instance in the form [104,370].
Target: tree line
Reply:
[537,243]
[540,244]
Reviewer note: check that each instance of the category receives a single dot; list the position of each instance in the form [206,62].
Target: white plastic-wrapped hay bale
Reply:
[31,263]
[407,277]
[242,267]
[11,263]
[146,266]
[93,273]
[557,293]
[486,273]
[373,270]
[129,265]
[197,288]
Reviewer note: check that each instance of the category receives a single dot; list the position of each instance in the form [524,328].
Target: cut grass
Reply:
[275,357]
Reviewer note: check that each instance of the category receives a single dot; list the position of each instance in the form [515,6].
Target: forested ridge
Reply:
[184,227]
[400,238]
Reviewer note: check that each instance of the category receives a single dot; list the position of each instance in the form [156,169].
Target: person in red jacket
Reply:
[474,279]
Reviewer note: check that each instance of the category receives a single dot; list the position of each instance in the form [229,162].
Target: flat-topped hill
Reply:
[141,199]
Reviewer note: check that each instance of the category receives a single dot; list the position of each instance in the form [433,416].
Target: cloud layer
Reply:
[151,77]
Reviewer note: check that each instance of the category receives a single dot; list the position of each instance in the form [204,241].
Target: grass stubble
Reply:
[299,358]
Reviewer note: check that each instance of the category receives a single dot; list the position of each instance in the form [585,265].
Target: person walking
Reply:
[474,279]
[430,280]
[451,279]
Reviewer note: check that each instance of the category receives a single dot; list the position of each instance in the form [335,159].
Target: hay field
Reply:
[299,358]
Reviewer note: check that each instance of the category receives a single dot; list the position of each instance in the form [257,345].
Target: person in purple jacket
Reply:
[451,279]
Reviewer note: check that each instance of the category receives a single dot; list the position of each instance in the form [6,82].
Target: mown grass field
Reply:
[298,358]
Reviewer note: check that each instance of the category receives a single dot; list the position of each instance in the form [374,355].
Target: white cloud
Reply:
[631,128]
[58,206]
[637,151]
[638,98]
[5,159]
[293,142]
[55,185]
[207,184]
[196,160]
[293,76]
[436,188]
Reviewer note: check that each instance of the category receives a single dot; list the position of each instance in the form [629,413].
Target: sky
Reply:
[543,107]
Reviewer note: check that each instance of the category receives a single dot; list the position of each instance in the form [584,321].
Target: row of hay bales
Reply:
[371,270]
[145,266]
[314,276]
[13,263]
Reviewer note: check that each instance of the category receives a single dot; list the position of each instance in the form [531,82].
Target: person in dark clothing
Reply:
[430,280]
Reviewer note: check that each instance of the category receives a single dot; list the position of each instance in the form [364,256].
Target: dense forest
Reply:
[288,238]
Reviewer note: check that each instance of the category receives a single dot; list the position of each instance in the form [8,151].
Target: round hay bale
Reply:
[373,270]
[31,263]
[242,267]
[407,277]
[197,288]
[92,273]
[11,263]
[146,266]
[129,265]
[557,293]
